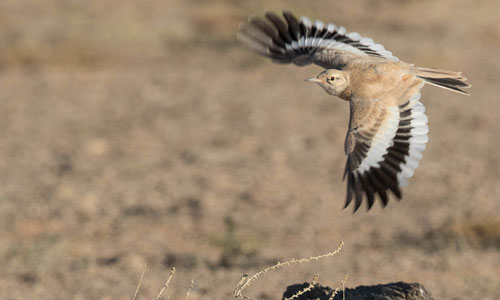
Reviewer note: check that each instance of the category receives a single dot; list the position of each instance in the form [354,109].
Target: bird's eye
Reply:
[332,78]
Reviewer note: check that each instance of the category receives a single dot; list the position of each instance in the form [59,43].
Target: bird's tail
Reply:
[449,80]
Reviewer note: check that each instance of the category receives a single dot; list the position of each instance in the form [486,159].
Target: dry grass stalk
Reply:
[191,285]
[172,271]
[306,289]
[337,289]
[140,282]
[245,282]
[240,283]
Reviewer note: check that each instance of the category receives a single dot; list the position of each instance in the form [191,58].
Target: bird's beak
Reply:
[313,79]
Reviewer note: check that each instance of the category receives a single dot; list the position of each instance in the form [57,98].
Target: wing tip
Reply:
[290,28]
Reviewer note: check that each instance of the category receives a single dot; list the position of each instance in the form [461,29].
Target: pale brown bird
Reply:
[387,126]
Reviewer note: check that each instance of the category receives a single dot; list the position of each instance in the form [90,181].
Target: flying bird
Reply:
[387,125]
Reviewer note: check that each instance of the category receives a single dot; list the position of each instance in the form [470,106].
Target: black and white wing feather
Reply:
[383,152]
[302,42]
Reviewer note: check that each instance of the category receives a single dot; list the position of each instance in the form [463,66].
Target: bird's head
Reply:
[332,81]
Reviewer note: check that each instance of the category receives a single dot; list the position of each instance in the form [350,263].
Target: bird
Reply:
[388,128]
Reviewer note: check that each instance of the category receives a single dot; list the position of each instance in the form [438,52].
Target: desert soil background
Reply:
[142,131]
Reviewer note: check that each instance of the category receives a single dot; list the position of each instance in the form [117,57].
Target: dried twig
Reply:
[337,289]
[140,281]
[191,285]
[245,282]
[172,271]
[306,289]
[243,279]
[343,287]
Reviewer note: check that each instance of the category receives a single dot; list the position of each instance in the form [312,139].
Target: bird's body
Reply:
[376,78]
[387,125]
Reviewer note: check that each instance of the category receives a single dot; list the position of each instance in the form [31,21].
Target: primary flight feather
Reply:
[387,126]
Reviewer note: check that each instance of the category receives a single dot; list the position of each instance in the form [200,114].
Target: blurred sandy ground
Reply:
[141,131]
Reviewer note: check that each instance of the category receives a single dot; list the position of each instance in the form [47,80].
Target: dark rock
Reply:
[390,291]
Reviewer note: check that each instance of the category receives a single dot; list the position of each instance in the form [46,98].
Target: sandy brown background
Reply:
[142,131]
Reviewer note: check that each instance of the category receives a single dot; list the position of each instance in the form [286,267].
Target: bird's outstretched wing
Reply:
[302,42]
[384,145]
